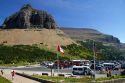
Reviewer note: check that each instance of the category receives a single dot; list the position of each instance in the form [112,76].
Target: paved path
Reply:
[17,79]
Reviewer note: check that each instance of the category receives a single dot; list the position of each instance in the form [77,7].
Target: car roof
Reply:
[80,66]
[109,63]
[80,60]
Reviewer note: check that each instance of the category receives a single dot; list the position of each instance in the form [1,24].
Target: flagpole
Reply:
[57,67]
[60,50]
[57,63]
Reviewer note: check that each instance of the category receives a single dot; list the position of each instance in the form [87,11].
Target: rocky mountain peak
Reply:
[29,17]
[27,6]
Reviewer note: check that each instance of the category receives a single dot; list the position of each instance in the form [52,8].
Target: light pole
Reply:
[94,54]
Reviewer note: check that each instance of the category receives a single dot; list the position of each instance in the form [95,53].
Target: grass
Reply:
[15,65]
[18,64]
[77,80]
[66,80]
[110,78]
[10,65]
[4,80]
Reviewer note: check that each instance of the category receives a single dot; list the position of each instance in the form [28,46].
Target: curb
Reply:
[33,78]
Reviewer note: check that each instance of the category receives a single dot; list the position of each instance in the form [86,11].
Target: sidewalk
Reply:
[17,79]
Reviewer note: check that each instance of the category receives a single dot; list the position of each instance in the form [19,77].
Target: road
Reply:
[44,69]
[41,69]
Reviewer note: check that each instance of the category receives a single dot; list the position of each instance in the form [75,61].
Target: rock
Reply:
[28,17]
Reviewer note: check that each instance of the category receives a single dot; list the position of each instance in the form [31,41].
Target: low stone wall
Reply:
[61,75]
[36,79]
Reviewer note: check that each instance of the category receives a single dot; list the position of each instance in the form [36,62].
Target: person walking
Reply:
[110,73]
[1,72]
[13,74]
[107,72]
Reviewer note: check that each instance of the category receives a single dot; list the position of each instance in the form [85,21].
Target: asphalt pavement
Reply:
[38,69]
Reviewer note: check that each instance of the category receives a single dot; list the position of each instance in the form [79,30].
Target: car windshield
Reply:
[74,68]
[80,69]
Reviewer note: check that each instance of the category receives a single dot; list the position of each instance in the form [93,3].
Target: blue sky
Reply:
[107,16]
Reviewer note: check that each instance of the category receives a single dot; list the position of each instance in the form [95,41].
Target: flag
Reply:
[59,49]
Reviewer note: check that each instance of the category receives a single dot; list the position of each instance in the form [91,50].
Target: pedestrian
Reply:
[92,74]
[110,73]
[1,72]
[107,72]
[13,74]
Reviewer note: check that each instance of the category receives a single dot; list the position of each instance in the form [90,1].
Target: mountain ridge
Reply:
[80,34]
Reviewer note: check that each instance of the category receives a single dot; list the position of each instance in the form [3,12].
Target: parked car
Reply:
[123,72]
[97,66]
[108,65]
[117,67]
[122,66]
[82,70]
[47,64]
[68,75]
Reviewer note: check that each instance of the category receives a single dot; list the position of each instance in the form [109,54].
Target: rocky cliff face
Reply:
[81,34]
[28,17]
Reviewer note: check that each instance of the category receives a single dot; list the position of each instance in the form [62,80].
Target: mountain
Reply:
[82,34]
[28,17]
[122,46]
[46,37]
[30,26]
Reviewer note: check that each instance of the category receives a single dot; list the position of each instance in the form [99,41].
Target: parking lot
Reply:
[45,68]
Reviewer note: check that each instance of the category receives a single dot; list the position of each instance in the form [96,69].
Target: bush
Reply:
[24,53]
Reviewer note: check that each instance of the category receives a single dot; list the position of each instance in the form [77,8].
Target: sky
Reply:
[106,16]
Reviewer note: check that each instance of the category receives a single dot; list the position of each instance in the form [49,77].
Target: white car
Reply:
[68,75]
[50,64]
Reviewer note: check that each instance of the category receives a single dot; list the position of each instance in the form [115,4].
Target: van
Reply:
[108,65]
[82,70]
